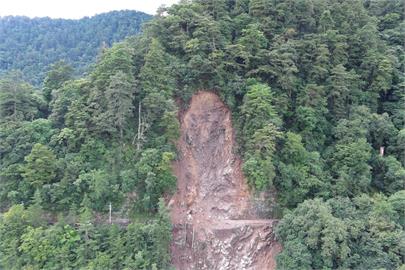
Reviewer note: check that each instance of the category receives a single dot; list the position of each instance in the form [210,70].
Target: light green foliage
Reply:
[350,158]
[260,133]
[254,43]
[35,211]
[37,247]
[357,126]
[17,139]
[263,141]
[398,145]
[259,172]
[282,70]
[13,225]
[257,109]
[163,236]
[258,165]
[397,200]
[259,8]
[295,256]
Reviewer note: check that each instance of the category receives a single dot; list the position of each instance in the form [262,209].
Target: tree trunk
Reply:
[138,144]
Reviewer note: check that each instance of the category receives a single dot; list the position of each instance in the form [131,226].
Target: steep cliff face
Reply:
[215,223]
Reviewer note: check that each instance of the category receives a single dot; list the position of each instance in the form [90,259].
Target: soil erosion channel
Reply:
[215,223]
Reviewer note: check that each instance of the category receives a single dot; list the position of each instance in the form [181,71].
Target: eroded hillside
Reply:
[215,223]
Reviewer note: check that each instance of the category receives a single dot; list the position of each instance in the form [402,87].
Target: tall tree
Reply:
[258,110]
[40,166]
[350,167]
[17,99]
[120,96]
[301,173]
[157,84]
[59,73]
[342,92]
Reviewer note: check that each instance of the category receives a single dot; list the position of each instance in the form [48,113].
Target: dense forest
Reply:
[31,45]
[316,92]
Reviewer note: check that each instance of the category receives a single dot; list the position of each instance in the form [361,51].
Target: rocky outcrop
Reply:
[239,244]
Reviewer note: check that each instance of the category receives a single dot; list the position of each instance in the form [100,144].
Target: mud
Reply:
[216,225]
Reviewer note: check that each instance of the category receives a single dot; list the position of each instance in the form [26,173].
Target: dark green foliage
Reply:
[362,233]
[156,85]
[341,92]
[350,167]
[312,229]
[119,95]
[388,174]
[25,245]
[31,45]
[301,173]
[153,176]
[17,140]
[18,100]
[103,142]
[59,73]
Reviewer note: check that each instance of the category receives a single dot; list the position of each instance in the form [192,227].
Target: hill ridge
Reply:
[32,44]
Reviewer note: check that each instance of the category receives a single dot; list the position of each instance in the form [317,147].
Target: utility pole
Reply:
[110,208]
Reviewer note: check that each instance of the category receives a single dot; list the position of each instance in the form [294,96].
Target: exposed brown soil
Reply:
[215,223]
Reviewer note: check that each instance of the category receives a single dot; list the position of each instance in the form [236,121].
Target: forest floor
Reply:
[216,225]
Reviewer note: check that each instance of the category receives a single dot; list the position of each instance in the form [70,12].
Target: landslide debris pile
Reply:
[215,223]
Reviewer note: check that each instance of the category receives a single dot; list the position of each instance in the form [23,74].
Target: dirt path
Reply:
[215,224]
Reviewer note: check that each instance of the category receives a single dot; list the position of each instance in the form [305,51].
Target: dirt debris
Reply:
[215,223]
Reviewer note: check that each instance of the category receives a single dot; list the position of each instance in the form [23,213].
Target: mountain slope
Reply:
[314,89]
[30,45]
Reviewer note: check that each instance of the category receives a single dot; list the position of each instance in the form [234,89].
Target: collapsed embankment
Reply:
[215,223]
